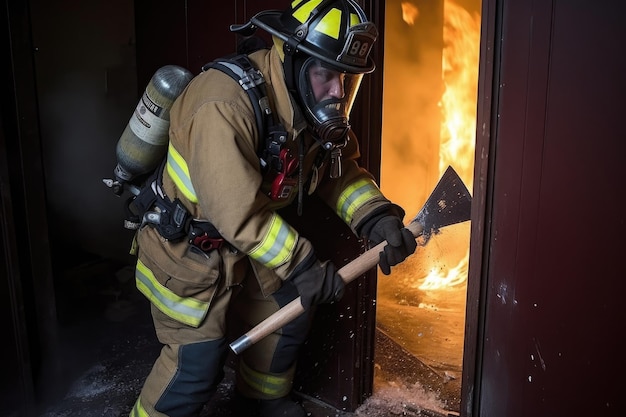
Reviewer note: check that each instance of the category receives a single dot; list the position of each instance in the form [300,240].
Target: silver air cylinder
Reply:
[143,143]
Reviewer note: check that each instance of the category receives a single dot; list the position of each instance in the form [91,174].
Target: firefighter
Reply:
[252,261]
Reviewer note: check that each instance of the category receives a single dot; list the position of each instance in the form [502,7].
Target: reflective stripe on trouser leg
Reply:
[175,335]
[266,369]
[189,376]
[263,385]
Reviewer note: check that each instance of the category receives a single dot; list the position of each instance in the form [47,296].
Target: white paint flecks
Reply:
[503,292]
[538,349]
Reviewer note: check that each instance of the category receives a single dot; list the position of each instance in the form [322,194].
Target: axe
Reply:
[449,203]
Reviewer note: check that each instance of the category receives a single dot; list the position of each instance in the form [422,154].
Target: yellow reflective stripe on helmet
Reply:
[354,19]
[185,310]
[277,245]
[179,171]
[271,385]
[138,410]
[329,24]
[303,13]
[354,197]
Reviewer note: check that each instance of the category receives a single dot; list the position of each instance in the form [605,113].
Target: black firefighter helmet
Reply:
[334,34]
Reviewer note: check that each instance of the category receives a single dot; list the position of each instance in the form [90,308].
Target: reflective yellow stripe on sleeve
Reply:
[354,197]
[138,410]
[185,310]
[277,245]
[179,171]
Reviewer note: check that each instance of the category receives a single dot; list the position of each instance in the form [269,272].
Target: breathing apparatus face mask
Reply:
[327,96]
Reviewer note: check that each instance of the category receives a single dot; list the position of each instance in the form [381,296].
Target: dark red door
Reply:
[550,208]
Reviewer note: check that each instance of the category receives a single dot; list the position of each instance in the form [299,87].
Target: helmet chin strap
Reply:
[289,63]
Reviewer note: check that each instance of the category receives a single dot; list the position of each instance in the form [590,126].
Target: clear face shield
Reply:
[328,96]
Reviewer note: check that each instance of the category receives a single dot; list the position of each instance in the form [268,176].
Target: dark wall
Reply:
[26,292]
[86,83]
[549,180]
[189,33]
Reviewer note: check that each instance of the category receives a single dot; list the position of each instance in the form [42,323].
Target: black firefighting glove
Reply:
[318,284]
[387,225]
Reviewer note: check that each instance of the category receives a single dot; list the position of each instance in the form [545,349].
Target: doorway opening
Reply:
[429,123]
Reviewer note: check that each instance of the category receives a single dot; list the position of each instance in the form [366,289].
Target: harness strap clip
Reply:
[203,239]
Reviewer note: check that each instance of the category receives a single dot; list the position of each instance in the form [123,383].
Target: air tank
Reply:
[143,144]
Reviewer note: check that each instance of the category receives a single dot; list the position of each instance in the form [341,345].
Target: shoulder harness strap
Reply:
[271,134]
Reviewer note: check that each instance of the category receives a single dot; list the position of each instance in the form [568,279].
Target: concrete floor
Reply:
[108,347]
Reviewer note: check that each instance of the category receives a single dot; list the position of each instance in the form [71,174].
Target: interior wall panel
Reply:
[553,277]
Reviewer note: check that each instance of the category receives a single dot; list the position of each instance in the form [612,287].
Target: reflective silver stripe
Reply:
[185,310]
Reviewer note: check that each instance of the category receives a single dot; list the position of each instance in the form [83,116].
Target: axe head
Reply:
[449,203]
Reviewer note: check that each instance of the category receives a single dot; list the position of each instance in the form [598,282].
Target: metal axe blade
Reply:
[449,203]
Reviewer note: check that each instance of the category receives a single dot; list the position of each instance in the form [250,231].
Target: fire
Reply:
[446,277]
[410,12]
[461,36]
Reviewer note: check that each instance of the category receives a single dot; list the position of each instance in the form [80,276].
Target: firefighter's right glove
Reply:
[400,242]
[319,284]
[388,226]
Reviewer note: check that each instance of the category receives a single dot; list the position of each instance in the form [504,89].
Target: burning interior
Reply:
[429,122]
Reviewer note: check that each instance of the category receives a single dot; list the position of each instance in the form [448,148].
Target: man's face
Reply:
[326,83]
[327,96]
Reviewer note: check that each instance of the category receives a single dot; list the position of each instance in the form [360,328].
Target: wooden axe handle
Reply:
[287,313]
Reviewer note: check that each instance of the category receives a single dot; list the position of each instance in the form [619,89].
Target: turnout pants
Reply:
[191,362]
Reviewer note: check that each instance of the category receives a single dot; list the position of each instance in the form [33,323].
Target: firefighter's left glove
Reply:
[400,241]
[319,284]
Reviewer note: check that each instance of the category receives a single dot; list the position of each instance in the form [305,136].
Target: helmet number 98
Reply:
[359,48]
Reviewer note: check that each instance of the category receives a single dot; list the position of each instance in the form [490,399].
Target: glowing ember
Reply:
[410,12]
[442,277]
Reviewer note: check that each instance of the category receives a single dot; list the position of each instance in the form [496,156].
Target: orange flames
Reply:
[429,122]
[461,35]
[444,262]
[410,12]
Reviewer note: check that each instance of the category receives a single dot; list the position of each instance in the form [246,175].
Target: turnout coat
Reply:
[213,169]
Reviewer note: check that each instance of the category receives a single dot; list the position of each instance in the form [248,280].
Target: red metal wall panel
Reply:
[552,271]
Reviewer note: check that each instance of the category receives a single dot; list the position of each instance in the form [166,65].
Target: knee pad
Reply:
[200,370]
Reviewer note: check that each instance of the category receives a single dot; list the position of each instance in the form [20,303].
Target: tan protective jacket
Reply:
[213,168]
